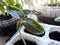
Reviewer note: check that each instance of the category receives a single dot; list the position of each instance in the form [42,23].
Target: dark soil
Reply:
[8,31]
[5,17]
[20,42]
[55,35]
[7,25]
[41,35]
[48,20]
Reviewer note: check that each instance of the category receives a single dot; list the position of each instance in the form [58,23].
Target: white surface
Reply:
[49,11]
[45,10]
[45,40]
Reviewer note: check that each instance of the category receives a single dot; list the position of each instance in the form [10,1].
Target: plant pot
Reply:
[54,34]
[8,28]
[48,20]
[7,25]
[45,40]
[49,13]
[17,39]
[20,42]
[41,35]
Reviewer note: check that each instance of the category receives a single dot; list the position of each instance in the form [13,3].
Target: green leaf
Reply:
[36,12]
[57,19]
[26,12]
[10,2]
[56,2]
[17,1]
[28,0]
[19,6]
[36,0]
[19,23]
[15,11]
[33,26]
[2,9]
[33,11]
[0,0]
[22,2]
[14,7]
[52,2]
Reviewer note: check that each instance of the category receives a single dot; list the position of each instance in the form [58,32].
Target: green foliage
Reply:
[19,23]
[2,9]
[10,2]
[15,8]
[33,26]
[57,19]
[56,1]
[53,2]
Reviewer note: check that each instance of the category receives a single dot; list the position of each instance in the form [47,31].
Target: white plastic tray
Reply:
[45,40]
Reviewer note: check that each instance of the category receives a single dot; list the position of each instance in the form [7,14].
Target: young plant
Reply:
[57,19]
[54,2]
[14,7]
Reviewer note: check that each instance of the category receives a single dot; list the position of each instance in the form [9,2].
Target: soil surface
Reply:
[5,17]
[55,35]
[20,42]
[7,25]
[48,20]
